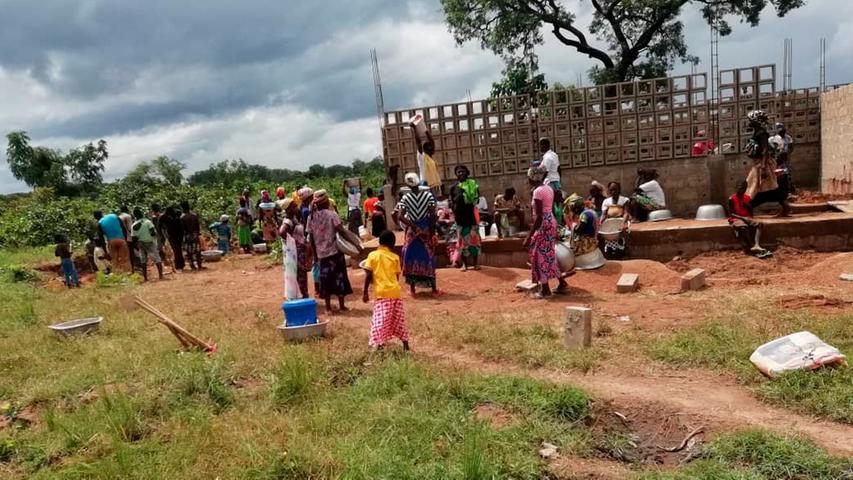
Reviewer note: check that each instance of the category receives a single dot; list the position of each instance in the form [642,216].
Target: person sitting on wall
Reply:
[486,217]
[648,195]
[616,206]
[746,228]
[596,197]
[508,212]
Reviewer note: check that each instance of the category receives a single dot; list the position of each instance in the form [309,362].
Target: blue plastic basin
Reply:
[300,312]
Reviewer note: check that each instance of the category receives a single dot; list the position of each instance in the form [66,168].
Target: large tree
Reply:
[638,38]
[80,170]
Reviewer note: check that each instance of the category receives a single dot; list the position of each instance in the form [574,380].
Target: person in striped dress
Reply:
[416,211]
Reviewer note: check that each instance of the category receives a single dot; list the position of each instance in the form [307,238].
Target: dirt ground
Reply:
[660,405]
[807,196]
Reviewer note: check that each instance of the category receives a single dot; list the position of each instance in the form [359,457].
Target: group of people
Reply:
[123,242]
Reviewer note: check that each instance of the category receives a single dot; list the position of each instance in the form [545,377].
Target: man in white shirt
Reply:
[551,163]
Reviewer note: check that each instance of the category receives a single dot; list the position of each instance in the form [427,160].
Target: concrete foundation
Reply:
[826,231]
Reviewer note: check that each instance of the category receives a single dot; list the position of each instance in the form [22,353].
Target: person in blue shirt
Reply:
[111,228]
[222,230]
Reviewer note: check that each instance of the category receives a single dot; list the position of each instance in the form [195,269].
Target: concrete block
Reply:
[848,277]
[693,280]
[628,282]
[526,286]
[578,333]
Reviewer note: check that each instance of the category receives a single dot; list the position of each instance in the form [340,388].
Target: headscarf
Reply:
[285,202]
[279,192]
[320,196]
[305,193]
[412,180]
[757,116]
[537,174]
[265,196]
[574,203]
[223,218]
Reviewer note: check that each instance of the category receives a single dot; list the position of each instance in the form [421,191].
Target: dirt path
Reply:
[724,404]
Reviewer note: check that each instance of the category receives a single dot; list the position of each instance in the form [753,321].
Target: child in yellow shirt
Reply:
[383,272]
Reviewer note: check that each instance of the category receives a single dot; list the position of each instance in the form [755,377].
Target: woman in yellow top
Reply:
[383,270]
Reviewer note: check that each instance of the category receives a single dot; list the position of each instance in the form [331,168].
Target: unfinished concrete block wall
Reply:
[836,165]
[606,132]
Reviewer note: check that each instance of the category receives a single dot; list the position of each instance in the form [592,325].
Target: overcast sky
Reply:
[288,83]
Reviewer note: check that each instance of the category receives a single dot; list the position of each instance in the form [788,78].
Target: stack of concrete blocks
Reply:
[592,126]
[605,131]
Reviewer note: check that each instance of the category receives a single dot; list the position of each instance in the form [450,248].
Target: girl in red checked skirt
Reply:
[383,270]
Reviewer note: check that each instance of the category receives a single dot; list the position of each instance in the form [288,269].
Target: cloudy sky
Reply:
[288,83]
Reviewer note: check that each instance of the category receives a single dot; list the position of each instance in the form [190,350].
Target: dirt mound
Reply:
[653,276]
[80,261]
[807,196]
[735,265]
[811,301]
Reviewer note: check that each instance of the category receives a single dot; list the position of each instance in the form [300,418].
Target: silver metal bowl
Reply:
[565,256]
[611,229]
[212,255]
[711,212]
[590,261]
[660,215]
[77,327]
[346,247]
[303,332]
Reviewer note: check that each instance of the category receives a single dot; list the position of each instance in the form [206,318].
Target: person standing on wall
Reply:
[427,170]
[763,186]
[783,157]
[551,163]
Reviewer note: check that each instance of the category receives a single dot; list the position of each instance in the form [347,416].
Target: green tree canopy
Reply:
[80,170]
[642,38]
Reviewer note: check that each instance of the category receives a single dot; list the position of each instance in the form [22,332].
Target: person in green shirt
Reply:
[144,236]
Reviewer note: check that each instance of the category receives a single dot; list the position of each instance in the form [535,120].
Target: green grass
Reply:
[500,337]
[759,455]
[738,324]
[126,403]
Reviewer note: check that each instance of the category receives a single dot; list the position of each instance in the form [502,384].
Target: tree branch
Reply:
[614,23]
[591,52]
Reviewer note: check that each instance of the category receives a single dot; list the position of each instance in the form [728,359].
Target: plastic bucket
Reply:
[300,312]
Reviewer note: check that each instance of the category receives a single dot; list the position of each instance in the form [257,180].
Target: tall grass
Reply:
[759,455]
[738,323]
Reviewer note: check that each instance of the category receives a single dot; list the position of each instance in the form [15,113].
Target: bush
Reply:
[33,219]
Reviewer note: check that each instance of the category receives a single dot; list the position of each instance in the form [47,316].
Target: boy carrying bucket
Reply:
[383,270]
